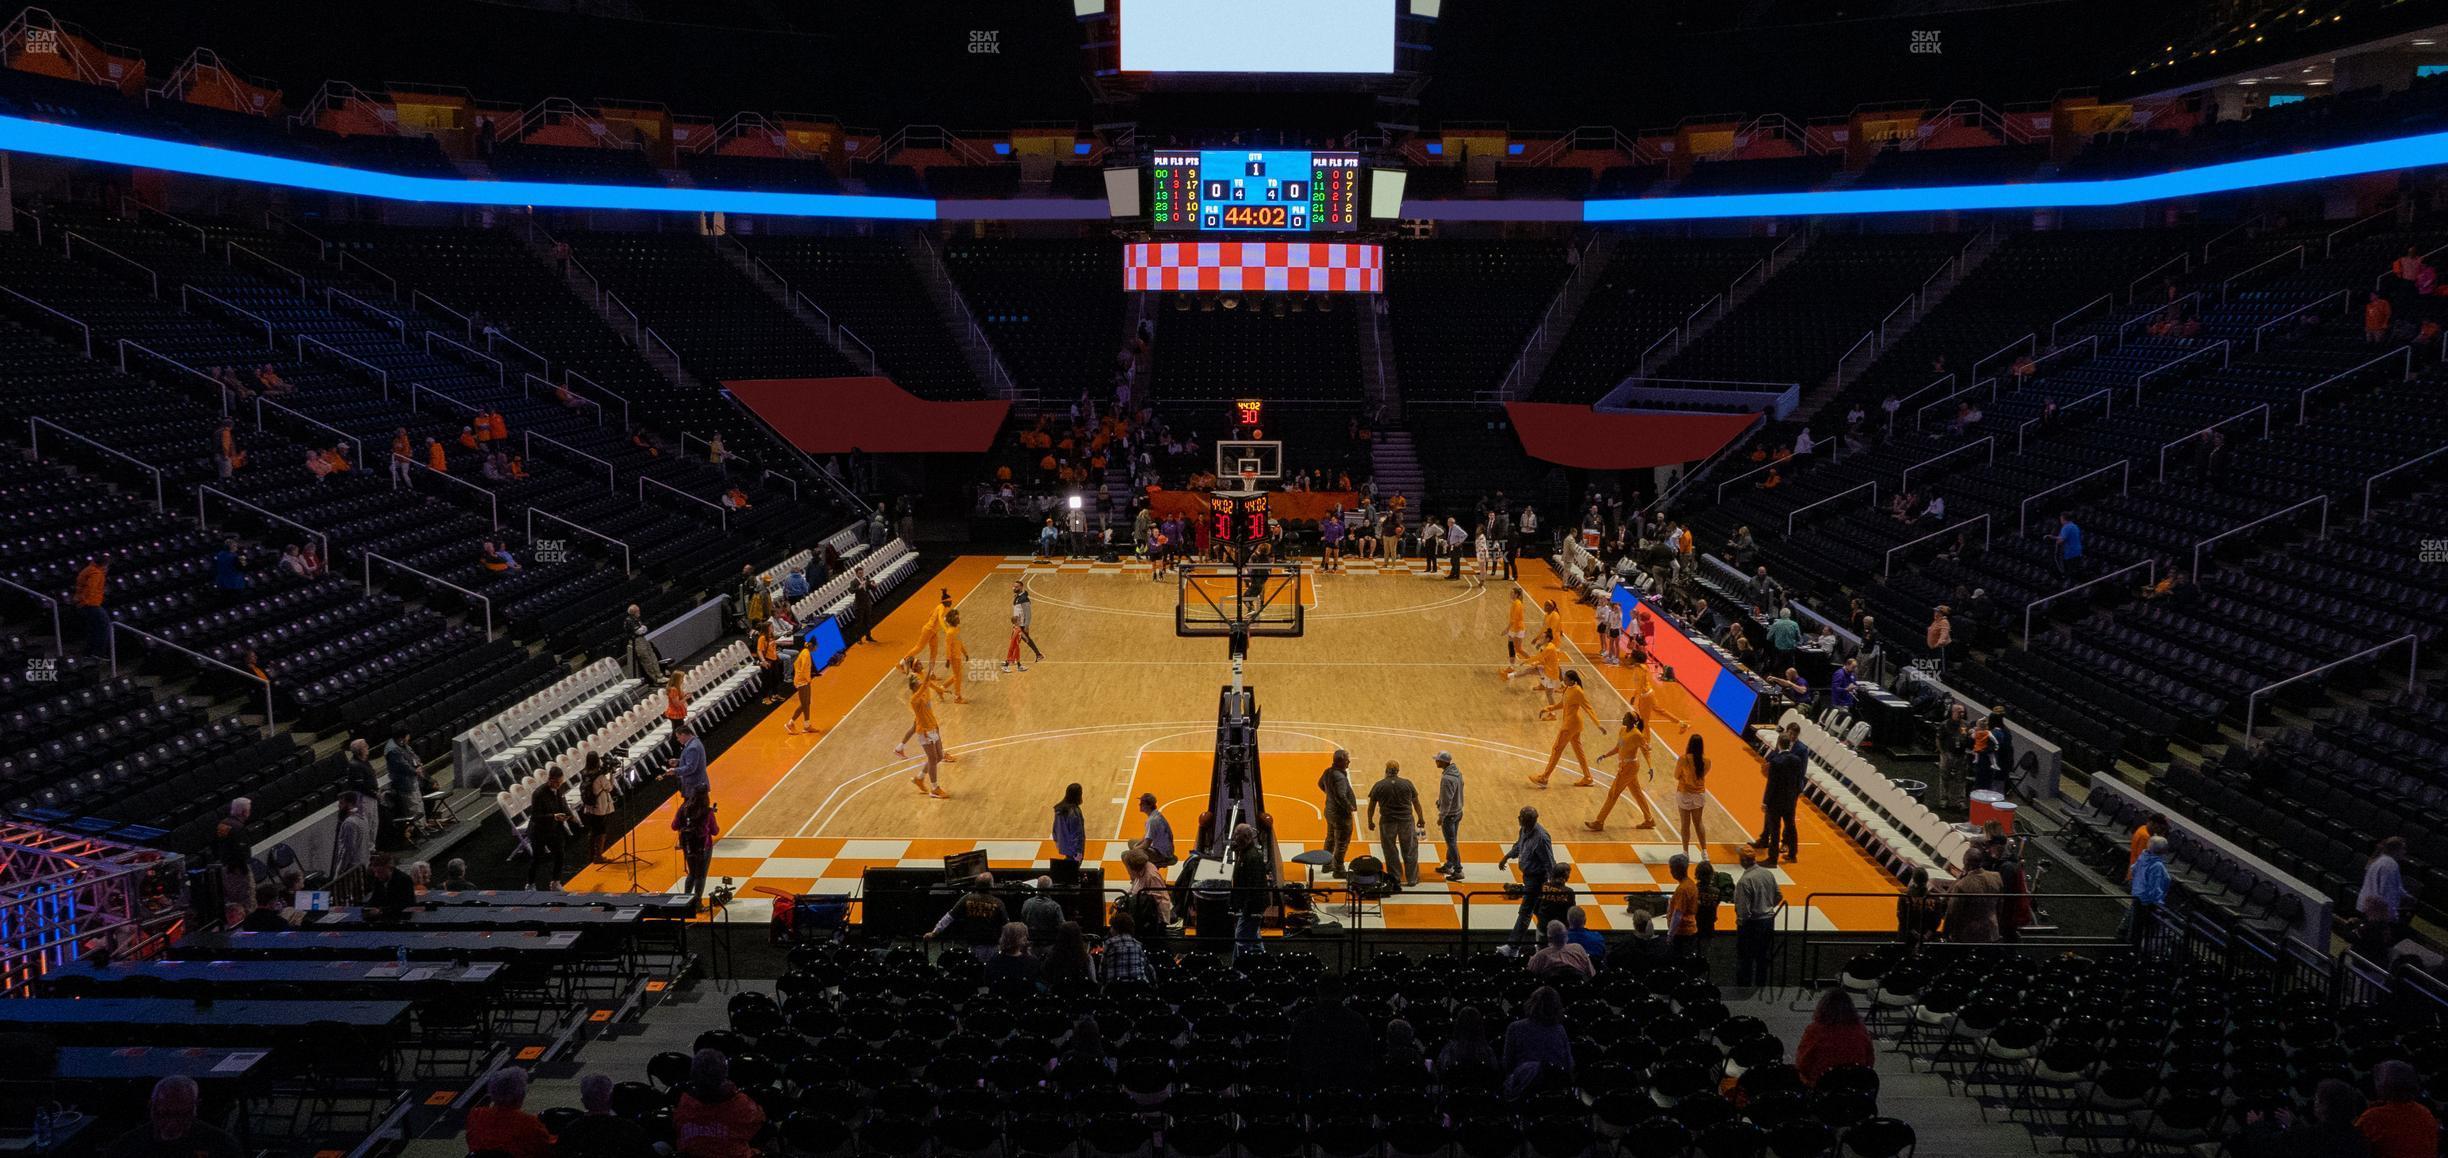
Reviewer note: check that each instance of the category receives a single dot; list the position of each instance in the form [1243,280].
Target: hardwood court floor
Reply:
[1394,666]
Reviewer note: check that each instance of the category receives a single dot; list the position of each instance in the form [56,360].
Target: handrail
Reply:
[203,241]
[542,363]
[491,499]
[2223,347]
[380,375]
[1672,490]
[724,511]
[532,512]
[2030,343]
[1940,383]
[2414,461]
[2172,444]
[34,442]
[399,328]
[2091,340]
[2329,239]
[569,375]
[800,299]
[2107,394]
[1924,408]
[581,399]
[846,335]
[229,256]
[420,300]
[274,223]
[356,448]
[2303,400]
[2151,565]
[610,483]
[1674,335]
[1904,481]
[2138,319]
[2321,501]
[185,306]
[371,558]
[208,489]
[2133,289]
[637,327]
[2023,510]
[2382,277]
[786,479]
[1910,301]
[2252,699]
[346,257]
[2228,286]
[1867,337]
[1872,486]
[2231,231]
[59,633]
[29,215]
[1921,295]
[2108,300]
[68,249]
[88,330]
[2344,299]
[219,387]
[501,377]
[117,626]
[1888,567]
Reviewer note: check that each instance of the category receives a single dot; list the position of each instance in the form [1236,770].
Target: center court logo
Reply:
[985,42]
[1925,42]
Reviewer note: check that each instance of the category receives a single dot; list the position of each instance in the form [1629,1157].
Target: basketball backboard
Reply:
[1258,460]
[1212,597]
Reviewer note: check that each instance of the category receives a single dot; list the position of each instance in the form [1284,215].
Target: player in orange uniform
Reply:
[956,656]
[1551,627]
[1631,752]
[1517,631]
[929,732]
[931,636]
[1568,733]
[1549,663]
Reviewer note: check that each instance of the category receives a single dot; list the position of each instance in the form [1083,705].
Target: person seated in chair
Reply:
[389,892]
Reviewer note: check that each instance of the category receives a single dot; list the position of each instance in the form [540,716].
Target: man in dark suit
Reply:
[1787,762]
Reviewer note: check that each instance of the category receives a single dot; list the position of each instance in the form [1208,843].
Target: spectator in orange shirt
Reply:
[227,458]
[403,452]
[337,459]
[2152,825]
[503,1125]
[2398,1125]
[675,699]
[468,439]
[92,581]
[518,467]
[436,457]
[714,1119]
[736,499]
[2376,315]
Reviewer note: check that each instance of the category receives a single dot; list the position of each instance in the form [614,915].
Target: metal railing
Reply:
[2343,298]
[1760,469]
[333,295]
[356,448]
[2151,566]
[543,363]
[2133,289]
[501,377]
[2171,444]
[1924,408]
[2329,240]
[68,249]
[2415,461]
[611,485]
[1887,568]
[2106,395]
[203,241]
[2321,501]
[187,292]
[492,500]
[532,512]
[191,653]
[528,383]
[2239,227]
[319,537]
[2223,348]
[1911,301]
[2227,287]
[2108,300]
[2028,343]
[82,328]
[346,257]
[487,601]
[2303,400]
[720,509]
[1872,487]
[381,375]
[34,442]
[2127,326]
[2023,510]
[2413,642]
[570,377]
[15,213]
[229,257]
[424,302]
[275,224]
[1944,381]
[59,634]
[1904,481]
[786,480]
[220,388]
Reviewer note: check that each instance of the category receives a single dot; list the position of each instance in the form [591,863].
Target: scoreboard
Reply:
[1255,190]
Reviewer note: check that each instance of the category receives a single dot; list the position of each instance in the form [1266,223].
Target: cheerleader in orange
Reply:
[1631,752]
[1549,664]
[1568,733]
[956,657]
[929,732]
[1517,632]
[1691,793]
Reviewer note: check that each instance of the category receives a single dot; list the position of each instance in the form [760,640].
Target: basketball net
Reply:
[1249,479]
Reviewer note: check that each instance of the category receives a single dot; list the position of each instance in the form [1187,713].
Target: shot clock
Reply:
[1237,520]
[1254,190]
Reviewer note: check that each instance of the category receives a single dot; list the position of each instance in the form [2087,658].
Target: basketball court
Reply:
[1392,665]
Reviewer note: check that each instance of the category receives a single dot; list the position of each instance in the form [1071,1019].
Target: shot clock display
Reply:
[1237,520]
[1255,190]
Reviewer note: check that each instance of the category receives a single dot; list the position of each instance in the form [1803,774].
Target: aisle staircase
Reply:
[1557,321]
[925,258]
[1909,314]
[1396,467]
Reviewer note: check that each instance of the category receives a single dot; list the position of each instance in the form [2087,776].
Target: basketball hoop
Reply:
[1249,479]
